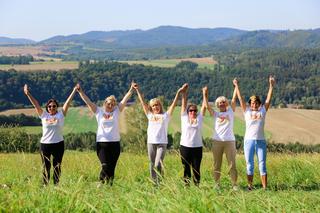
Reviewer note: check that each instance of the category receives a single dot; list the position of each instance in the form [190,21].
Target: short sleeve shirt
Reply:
[255,123]
[108,125]
[158,128]
[223,125]
[52,127]
[191,132]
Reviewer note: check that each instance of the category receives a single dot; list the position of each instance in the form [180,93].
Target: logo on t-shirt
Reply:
[156,118]
[223,119]
[256,116]
[108,116]
[52,121]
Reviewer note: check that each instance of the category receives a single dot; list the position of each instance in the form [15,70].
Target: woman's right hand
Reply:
[26,89]
[205,90]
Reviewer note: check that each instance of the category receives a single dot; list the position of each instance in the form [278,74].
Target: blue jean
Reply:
[260,148]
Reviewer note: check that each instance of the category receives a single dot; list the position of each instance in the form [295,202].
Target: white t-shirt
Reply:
[52,127]
[255,123]
[191,133]
[108,125]
[158,128]
[223,125]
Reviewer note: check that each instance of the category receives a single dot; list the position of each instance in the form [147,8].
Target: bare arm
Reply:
[241,99]
[126,97]
[234,100]
[204,101]
[271,84]
[184,100]
[84,97]
[33,101]
[68,101]
[205,93]
[143,104]
[175,100]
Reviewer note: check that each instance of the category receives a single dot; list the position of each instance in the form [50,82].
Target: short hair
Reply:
[191,105]
[221,98]
[255,98]
[111,99]
[50,101]
[153,101]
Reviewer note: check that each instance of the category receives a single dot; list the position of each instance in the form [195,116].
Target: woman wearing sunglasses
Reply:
[191,138]
[223,137]
[158,122]
[108,134]
[52,138]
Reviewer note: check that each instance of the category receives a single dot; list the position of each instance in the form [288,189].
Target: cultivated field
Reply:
[294,186]
[292,125]
[202,62]
[35,51]
[42,66]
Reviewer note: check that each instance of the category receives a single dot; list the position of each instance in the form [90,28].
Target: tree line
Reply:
[21,59]
[297,74]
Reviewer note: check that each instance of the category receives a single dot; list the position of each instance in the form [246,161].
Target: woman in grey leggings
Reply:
[158,121]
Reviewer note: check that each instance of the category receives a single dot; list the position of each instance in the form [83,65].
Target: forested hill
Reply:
[169,36]
[297,73]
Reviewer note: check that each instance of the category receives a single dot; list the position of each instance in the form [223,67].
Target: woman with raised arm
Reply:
[108,134]
[52,139]
[223,137]
[254,139]
[158,122]
[191,138]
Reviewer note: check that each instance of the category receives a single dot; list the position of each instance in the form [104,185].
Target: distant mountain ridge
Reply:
[174,36]
[163,35]
[13,41]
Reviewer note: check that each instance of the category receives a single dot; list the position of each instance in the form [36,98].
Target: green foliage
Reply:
[21,59]
[19,120]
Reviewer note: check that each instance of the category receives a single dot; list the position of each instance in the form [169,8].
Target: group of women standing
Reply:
[108,137]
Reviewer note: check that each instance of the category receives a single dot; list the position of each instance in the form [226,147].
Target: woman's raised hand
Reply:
[235,82]
[26,89]
[272,80]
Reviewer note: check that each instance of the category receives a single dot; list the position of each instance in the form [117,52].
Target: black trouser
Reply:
[56,150]
[108,154]
[191,156]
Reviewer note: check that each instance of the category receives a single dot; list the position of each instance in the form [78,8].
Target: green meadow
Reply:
[294,186]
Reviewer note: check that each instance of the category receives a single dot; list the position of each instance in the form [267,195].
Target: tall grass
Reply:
[294,185]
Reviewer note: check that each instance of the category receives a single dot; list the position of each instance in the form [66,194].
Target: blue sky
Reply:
[41,19]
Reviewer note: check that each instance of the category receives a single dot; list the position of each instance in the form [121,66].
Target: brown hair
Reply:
[50,101]
[191,105]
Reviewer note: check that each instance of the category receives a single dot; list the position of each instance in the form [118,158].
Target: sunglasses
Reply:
[193,110]
[52,106]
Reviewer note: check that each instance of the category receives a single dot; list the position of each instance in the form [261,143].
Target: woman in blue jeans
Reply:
[254,139]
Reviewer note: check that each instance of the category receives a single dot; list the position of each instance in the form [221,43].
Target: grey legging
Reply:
[156,154]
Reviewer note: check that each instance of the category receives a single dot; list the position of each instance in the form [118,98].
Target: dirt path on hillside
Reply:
[292,125]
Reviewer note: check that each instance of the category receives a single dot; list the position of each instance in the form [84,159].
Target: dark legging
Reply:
[56,150]
[108,154]
[191,156]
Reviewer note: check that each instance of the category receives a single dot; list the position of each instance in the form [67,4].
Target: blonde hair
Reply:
[111,99]
[221,98]
[254,98]
[154,101]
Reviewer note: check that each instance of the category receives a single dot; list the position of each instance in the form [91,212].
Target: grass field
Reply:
[202,62]
[294,186]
